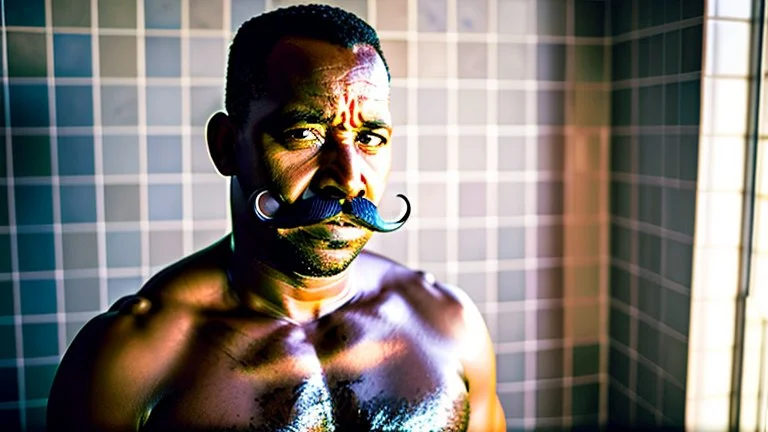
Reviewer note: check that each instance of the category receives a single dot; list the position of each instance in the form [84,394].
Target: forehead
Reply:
[307,67]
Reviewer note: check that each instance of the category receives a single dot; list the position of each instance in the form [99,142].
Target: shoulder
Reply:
[111,369]
[444,305]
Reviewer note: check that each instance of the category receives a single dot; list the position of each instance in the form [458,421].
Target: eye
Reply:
[371,140]
[301,138]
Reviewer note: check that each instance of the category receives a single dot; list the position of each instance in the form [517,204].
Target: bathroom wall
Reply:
[502,137]
[656,79]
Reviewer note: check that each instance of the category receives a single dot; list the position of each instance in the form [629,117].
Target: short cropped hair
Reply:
[255,39]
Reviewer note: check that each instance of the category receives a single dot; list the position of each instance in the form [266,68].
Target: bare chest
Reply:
[352,371]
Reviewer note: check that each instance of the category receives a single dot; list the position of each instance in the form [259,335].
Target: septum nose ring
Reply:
[264,206]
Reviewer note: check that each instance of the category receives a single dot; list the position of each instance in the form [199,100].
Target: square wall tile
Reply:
[120,154]
[75,155]
[74,106]
[549,363]
[433,153]
[209,201]
[511,326]
[511,285]
[38,296]
[34,204]
[472,153]
[119,105]
[72,55]
[30,13]
[513,404]
[516,61]
[166,14]
[165,202]
[117,13]
[392,15]
[472,16]
[117,56]
[31,155]
[549,323]
[29,105]
[206,14]
[472,107]
[589,62]
[207,57]
[586,360]
[71,13]
[585,399]
[165,247]
[511,242]
[38,380]
[511,367]
[472,199]
[123,249]
[163,56]
[511,152]
[511,108]
[36,252]
[589,18]
[432,106]
[472,244]
[472,59]
[204,101]
[433,244]
[40,340]
[550,62]
[163,106]
[121,287]
[80,250]
[549,402]
[550,17]
[432,16]
[431,200]
[584,321]
[648,341]
[121,203]
[81,295]
[78,203]
[396,52]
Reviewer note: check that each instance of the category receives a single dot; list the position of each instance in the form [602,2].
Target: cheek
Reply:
[289,171]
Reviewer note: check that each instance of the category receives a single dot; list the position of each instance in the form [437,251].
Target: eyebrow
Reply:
[309,115]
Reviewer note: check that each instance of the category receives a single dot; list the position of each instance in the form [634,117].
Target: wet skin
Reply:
[289,329]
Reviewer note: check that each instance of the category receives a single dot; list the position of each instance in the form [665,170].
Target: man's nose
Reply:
[341,171]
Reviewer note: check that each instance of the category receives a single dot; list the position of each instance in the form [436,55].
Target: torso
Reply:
[387,360]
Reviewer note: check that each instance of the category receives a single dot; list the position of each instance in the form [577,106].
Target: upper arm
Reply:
[479,362]
[107,376]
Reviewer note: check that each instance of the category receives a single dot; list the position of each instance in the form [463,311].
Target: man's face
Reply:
[323,127]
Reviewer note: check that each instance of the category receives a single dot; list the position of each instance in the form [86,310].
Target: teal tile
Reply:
[672,50]
[4,208]
[5,253]
[589,63]
[674,357]
[511,285]
[648,341]
[30,13]
[618,408]
[649,252]
[74,106]
[166,14]
[35,418]
[679,261]
[589,18]
[585,399]
[549,402]
[690,102]
[691,39]
[647,384]
[621,17]
[649,298]
[677,309]
[40,340]
[38,380]
[36,251]
[619,326]
[34,204]
[621,61]
[512,326]
[621,153]
[656,57]
[76,155]
[644,417]
[621,243]
[673,404]
[80,250]
[9,391]
[38,296]
[6,298]
[689,157]
[81,295]
[511,367]
[26,54]
[72,55]
[71,13]
[117,13]
[672,104]
[549,363]
[7,342]
[31,155]
[621,107]
[620,285]
[621,199]
[649,204]
[651,105]
[586,360]
[29,105]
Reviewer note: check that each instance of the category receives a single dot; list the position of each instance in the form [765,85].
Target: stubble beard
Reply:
[296,253]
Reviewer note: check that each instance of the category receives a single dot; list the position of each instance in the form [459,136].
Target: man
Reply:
[285,325]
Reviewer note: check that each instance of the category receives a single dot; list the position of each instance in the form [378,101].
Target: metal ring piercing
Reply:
[264,214]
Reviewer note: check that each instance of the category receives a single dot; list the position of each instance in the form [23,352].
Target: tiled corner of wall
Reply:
[656,73]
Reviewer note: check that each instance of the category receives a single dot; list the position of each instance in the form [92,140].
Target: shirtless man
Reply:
[285,325]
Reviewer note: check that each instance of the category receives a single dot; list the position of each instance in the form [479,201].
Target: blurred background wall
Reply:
[549,148]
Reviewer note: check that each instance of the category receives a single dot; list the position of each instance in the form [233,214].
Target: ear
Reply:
[221,137]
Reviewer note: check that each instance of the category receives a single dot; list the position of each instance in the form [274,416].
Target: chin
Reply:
[312,259]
